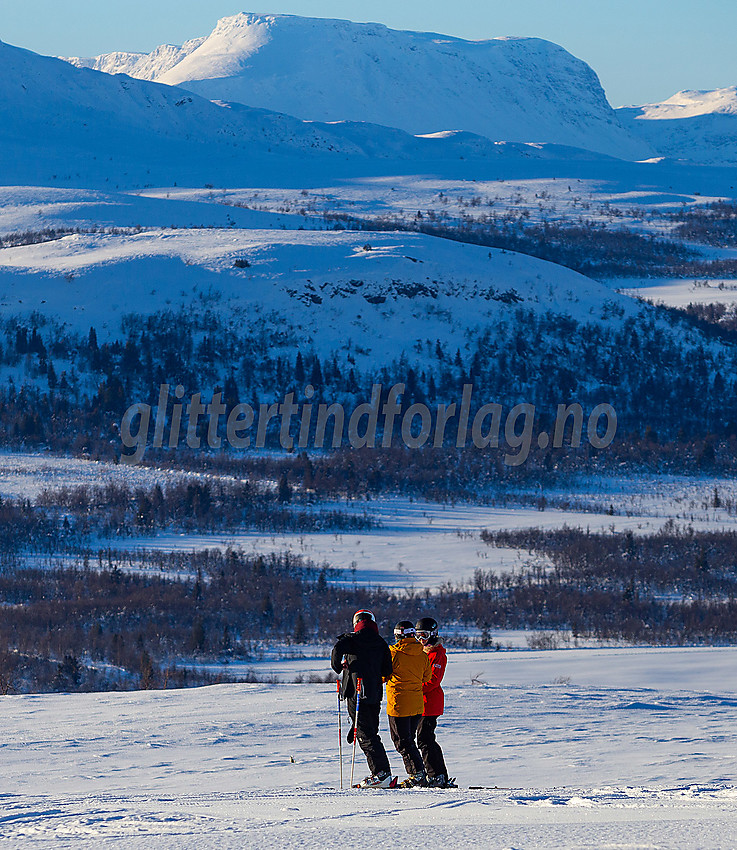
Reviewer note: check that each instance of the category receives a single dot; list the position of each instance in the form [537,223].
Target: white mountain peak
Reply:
[689,103]
[511,89]
[696,125]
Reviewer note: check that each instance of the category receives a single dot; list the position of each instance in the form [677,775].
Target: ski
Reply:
[490,788]
[395,785]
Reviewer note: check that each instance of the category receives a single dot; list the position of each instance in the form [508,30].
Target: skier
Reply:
[432,756]
[363,654]
[410,670]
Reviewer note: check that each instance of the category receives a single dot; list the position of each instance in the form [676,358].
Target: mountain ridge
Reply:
[63,114]
[142,66]
[506,88]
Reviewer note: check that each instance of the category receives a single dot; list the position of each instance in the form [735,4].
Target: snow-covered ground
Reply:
[559,196]
[413,287]
[33,208]
[416,543]
[580,662]
[27,475]
[408,552]
[681,293]
[695,125]
[636,750]
[613,194]
[422,544]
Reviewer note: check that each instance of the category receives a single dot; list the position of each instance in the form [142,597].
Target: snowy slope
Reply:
[47,100]
[83,125]
[694,125]
[333,291]
[43,97]
[90,128]
[25,208]
[643,760]
[689,104]
[513,89]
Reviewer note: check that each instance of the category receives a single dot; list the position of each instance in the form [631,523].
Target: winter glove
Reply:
[351,734]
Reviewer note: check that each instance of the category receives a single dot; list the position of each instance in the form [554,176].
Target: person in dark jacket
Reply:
[363,654]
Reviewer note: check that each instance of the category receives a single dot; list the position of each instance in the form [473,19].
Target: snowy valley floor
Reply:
[417,543]
[580,763]
[590,747]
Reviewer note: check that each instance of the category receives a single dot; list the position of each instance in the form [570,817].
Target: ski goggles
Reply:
[424,634]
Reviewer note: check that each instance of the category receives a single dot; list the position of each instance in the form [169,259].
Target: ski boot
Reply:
[441,781]
[381,780]
[415,780]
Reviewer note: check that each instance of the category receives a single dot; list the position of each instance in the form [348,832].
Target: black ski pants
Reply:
[403,731]
[432,755]
[367,734]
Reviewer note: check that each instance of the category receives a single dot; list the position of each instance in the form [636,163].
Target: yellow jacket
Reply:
[411,669]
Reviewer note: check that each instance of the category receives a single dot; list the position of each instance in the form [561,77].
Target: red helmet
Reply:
[363,614]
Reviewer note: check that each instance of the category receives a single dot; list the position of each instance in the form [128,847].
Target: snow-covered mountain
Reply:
[144,66]
[512,89]
[63,120]
[695,125]
[689,104]
[42,97]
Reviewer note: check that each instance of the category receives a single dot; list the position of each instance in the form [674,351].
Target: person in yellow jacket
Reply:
[411,669]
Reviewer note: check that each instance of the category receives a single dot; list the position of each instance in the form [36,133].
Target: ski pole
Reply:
[355,726]
[340,739]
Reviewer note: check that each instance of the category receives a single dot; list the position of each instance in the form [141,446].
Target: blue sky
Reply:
[643,50]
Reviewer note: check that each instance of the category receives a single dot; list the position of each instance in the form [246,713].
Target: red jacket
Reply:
[433,693]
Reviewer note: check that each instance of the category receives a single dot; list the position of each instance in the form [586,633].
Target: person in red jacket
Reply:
[426,631]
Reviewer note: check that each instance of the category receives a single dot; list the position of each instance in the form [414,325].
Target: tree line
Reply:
[127,620]
[664,371]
